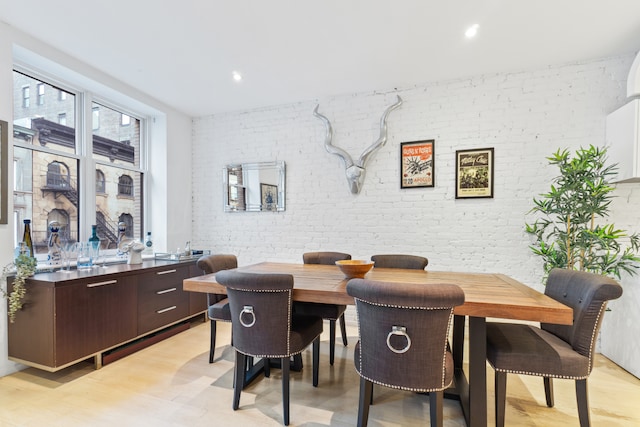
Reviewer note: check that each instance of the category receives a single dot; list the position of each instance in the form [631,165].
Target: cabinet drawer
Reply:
[161,299]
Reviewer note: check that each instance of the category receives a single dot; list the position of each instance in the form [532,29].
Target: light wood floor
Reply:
[172,384]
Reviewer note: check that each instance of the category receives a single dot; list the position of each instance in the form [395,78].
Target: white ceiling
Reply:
[183,52]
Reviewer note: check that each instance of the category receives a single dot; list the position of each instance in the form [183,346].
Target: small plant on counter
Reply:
[569,231]
[24,266]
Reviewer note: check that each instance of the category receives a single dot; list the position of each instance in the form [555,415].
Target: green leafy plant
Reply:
[568,231]
[24,266]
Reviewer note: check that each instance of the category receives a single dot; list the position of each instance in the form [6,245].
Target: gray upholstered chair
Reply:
[263,325]
[403,339]
[412,262]
[218,305]
[331,312]
[554,351]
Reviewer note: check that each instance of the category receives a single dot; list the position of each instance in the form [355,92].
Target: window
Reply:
[99,182]
[26,97]
[125,120]
[41,94]
[125,186]
[50,148]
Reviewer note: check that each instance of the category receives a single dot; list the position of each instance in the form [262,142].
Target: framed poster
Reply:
[474,173]
[416,164]
[269,197]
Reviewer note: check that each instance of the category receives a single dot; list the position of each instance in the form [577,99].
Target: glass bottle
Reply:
[122,237]
[94,239]
[26,238]
[148,244]
[54,254]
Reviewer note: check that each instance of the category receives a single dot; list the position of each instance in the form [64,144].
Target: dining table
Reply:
[487,295]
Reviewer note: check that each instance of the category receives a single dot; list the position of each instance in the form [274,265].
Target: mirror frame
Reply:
[255,190]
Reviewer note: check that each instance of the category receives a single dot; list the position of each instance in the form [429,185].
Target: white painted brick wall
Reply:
[525,116]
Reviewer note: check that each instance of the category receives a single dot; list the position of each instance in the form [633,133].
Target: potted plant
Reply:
[569,230]
[24,266]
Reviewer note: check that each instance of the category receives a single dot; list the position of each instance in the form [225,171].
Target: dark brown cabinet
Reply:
[69,317]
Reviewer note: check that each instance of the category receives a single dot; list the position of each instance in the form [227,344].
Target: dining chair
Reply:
[330,312]
[403,329]
[554,351]
[263,325]
[217,305]
[412,262]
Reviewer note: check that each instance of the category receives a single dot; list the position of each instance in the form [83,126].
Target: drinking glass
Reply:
[69,254]
[85,255]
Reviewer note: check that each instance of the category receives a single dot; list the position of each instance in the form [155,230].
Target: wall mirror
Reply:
[4,176]
[254,187]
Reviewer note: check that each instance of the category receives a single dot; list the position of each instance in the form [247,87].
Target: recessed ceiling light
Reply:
[237,76]
[472,31]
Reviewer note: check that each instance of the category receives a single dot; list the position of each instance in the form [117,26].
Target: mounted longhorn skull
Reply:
[355,171]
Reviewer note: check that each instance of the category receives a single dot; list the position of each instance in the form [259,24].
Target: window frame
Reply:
[83,153]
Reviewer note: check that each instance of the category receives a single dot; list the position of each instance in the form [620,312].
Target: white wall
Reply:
[525,116]
[170,151]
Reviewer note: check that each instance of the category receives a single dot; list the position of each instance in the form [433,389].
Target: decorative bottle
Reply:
[122,237]
[54,254]
[26,238]
[94,239]
[148,244]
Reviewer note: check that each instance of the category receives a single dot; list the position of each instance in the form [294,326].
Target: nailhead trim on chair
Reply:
[360,301]
[273,291]
[566,377]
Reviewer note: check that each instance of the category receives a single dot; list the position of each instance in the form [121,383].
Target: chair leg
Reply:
[343,329]
[212,348]
[548,391]
[435,408]
[332,341]
[363,406]
[582,395]
[501,395]
[316,360]
[238,379]
[267,368]
[285,388]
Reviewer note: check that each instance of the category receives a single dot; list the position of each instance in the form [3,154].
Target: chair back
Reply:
[412,262]
[325,258]
[587,294]
[260,307]
[214,263]
[403,330]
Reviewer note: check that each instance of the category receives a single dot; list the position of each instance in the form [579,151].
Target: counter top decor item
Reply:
[24,266]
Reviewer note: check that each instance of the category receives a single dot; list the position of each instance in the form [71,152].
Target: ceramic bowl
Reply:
[354,268]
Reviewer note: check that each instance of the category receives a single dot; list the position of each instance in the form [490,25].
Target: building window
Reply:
[40,94]
[125,186]
[49,152]
[100,182]
[26,97]
[125,120]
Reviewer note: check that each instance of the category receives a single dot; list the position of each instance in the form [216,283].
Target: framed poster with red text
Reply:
[416,164]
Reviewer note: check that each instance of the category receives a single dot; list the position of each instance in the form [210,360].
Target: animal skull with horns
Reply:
[355,171]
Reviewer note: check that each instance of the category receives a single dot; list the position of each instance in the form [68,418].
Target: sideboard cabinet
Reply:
[70,317]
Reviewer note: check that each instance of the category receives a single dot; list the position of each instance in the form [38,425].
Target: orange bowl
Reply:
[354,268]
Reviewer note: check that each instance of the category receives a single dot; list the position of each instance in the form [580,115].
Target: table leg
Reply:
[472,392]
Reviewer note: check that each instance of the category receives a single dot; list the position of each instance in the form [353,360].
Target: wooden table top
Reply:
[486,295]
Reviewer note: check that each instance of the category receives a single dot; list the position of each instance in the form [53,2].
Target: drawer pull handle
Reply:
[166,291]
[164,310]
[166,272]
[108,282]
